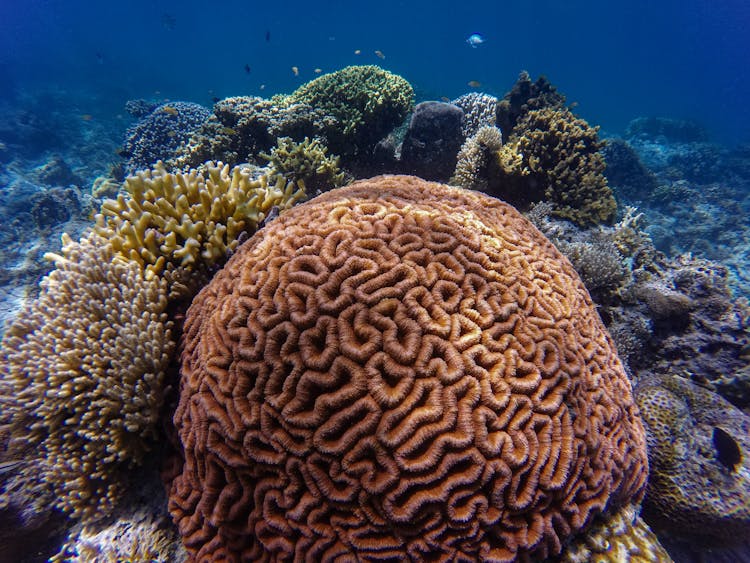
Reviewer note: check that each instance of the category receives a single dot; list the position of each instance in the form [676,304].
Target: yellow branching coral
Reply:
[83,370]
[307,161]
[473,156]
[554,156]
[192,219]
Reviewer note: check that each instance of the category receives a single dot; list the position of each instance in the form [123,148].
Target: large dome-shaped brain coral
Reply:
[399,370]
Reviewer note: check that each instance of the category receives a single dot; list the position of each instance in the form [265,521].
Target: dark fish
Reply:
[124,153]
[727,449]
[215,99]
[8,466]
[168,21]
[100,58]
[247,69]
[268,36]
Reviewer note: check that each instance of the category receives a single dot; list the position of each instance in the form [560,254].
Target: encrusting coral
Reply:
[399,369]
[83,367]
[188,220]
[554,156]
[622,537]
[698,446]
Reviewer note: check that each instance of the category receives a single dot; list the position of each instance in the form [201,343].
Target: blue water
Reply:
[619,60]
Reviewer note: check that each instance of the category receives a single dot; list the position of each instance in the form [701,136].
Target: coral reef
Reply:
[555,156]
[432,141]
[697,485]
[189,220]
[244,126]
[480,110]
[699,330]
[158,135]
[674,130]
[473,158]
[617,538]
[394,369]
[364,102]
[83,366]
[305,162]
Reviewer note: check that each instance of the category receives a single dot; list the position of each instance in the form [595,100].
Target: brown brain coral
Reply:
[399,370]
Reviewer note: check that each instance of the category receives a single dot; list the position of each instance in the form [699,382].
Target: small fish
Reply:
[474,84]
[247,69]
[728,451]
[358,52]
[475,40]
[380,54]
[168,21]
[8,466]
[215,99]
[170,110]
[268,36]
[318,70]
[87,117]
[262,86]
[100,58]
[445,99]
[295,70]
[228,131]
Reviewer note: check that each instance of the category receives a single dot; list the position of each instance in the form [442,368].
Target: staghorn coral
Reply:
[470,172]
[190,220]
[305,162]
[399,370]
[480,110]
[692,489]
[83,371]
[553,155]
[618,538]
[364,102]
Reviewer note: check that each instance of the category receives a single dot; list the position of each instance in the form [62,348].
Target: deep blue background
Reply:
[619,60]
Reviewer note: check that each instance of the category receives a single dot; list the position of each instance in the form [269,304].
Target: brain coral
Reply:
[399,370]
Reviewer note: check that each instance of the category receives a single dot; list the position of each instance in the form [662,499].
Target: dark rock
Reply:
[432,141]
[625,172]
[57,172]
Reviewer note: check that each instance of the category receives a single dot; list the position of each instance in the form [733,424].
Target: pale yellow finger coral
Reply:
[189,220]
[83,376]
[472,159]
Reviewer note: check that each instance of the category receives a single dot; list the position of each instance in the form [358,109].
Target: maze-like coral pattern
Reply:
[399,370]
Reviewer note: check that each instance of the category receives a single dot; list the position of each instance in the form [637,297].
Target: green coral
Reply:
[306,162]
[554,156]
[366,103]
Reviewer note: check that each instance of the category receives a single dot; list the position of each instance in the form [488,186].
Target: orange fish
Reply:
[380,54]
[474,84]
[170,110]
[87,117]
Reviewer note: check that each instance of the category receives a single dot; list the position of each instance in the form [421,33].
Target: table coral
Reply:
[83,370]
[399,370]
[694,486]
